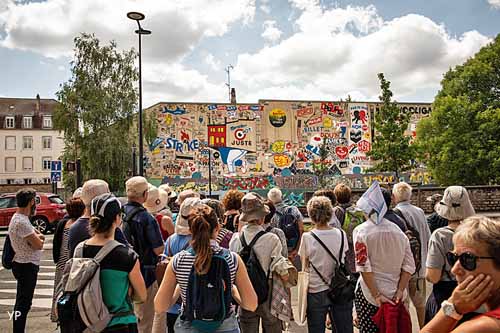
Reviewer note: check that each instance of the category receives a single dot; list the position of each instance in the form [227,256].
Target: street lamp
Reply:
[139,17]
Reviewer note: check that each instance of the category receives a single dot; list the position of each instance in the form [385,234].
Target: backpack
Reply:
[343,283]
[352,218]
[288,223]
[79,298]
[256,273]
[208,296]
[130,231]
[415,243]
[8,253]
[231,222]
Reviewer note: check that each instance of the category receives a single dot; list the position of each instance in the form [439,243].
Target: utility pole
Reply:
[228,84]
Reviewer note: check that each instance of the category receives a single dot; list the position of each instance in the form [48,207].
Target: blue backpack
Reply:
[288,223]
[208,297]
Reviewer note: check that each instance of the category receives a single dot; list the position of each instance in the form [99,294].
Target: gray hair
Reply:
[275,195]
[401,192]
[320,210]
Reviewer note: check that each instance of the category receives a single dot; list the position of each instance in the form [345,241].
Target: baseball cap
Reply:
[136,186]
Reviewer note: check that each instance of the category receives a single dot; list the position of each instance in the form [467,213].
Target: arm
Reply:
[433,275]
[165,296]
[403,283]
[137,282]
[167,224]
[153,234]
[300,224]
[56,243]
[35,241]
[245,288]
[372,286]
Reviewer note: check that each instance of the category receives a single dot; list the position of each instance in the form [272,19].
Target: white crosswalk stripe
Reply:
[42,299]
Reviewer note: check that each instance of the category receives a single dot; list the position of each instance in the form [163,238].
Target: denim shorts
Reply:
[230,325]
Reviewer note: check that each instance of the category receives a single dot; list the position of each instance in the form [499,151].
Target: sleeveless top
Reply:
[493,313]
[164,233]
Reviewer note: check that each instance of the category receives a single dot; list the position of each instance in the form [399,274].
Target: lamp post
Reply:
[139,17]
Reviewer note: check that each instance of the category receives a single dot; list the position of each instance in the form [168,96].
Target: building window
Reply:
[10,164]
[47,122]
[10,122]
[46,142]
[27,142]
[27,163]
[10,143]
[27,181]
[46,181]
[46,163]
[27,122]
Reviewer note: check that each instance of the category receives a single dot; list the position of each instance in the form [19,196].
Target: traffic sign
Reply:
[55,176]
[56,165]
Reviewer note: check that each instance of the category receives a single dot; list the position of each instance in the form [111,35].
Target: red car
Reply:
[50,208]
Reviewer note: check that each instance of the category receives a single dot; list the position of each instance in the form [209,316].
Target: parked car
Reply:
[50,208]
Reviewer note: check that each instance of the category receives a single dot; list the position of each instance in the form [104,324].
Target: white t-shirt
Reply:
[20,227]
[317,255]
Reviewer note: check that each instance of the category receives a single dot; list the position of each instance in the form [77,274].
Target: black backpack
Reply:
[130,231]
[343,283]
[257,275]
[208,297]
[288,223]
[415,243]
[231,222]
[8,254]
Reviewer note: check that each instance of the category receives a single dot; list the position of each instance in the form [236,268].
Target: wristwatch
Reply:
[449,310]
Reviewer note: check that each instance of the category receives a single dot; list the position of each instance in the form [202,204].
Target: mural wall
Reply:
[275,139]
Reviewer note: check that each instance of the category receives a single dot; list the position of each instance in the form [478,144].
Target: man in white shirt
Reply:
[27,243]
[414,217]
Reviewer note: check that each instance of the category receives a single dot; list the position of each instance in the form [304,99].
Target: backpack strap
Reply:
[79,250]
[130,216]
[106,249]
[319,274]
[169,249]
[341,245]
[254,240]
[326,248]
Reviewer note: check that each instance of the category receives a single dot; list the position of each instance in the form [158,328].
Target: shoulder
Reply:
[481,324]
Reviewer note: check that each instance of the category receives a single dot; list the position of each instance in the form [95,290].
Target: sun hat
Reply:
[106,206]
[157,199]
[435,197]
[77,194]
[186,194]
[92,188]
[182,224]
[253,207]
[372,203]
[168,189]
[136,186]
[455,204]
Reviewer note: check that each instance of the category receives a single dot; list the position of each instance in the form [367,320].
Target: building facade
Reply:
[274,138]
[28,140]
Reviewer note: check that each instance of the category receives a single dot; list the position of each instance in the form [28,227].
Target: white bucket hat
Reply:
[168,189]
[182,224]
[157,199]
[455,205]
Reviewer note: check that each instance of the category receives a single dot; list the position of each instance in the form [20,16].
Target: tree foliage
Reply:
[391,147]
[459,142]
[96,111]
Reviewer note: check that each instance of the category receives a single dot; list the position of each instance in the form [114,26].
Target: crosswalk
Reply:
[42,299]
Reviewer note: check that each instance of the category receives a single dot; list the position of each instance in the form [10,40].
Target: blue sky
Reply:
[280,49]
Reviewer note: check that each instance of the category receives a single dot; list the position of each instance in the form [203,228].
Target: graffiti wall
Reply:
[280,139]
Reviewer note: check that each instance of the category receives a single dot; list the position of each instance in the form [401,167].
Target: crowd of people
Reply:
[136,264]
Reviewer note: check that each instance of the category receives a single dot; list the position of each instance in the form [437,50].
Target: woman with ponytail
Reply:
[190,264]
[120,271]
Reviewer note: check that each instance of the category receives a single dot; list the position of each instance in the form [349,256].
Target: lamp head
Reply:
[136,16]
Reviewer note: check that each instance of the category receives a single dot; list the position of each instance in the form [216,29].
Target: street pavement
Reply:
[39,316]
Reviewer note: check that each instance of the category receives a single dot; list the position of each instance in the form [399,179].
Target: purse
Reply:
[343,284]
[303,287]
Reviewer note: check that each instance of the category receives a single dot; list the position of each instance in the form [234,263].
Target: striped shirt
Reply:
[184,261]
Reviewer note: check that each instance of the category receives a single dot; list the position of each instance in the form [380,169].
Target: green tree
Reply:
[459,141]
[391,147]
[96,111]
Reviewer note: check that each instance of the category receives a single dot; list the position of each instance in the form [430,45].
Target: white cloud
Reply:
[271,33]
[212,62]
[494,3]
[265,9]
[49,27]
[336,52]
[61,68]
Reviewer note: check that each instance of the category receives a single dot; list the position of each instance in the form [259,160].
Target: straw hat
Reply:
[455,205]
[168,189]
[157,199]
[92,188]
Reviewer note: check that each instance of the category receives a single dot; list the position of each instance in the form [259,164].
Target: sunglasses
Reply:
[467,260]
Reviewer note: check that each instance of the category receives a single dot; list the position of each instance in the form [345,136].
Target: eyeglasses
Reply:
[467,259]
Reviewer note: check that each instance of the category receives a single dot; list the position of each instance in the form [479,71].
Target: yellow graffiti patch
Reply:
[282,160]
[327,122]
[169,119]
[278,146]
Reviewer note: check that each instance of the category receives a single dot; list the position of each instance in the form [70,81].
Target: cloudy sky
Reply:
[280,49]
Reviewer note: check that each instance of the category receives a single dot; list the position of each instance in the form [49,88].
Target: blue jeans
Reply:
[318,305]
[230,325]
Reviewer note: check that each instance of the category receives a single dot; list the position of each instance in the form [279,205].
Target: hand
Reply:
[398,296]
[292,255]
[471,293]
[379,299]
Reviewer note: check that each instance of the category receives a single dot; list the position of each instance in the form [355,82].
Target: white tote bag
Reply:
[302,286]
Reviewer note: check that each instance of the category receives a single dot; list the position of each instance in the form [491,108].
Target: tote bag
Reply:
[303,286]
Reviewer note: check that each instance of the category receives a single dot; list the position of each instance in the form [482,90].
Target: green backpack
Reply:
[352,218]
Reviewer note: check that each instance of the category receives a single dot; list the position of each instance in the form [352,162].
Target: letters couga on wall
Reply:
[269,138]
